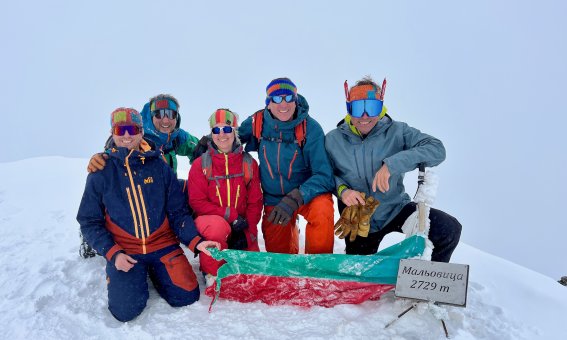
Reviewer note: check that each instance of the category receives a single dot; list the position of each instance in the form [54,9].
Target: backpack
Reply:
[247,168]
[258,122]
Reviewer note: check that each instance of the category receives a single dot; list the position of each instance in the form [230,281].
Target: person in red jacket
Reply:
[225,192]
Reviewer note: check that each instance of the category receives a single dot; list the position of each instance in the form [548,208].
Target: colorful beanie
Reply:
[280,87]
[164,101]
[367,91]
[223,116]
[125,116]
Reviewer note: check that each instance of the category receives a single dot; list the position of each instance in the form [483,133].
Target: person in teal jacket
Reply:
[295,172]
[370,153]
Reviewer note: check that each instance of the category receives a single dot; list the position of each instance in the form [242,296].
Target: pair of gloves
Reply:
[283,211]
[237,238]
[355,219]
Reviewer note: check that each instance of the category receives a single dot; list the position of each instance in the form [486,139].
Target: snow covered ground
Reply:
[49,292]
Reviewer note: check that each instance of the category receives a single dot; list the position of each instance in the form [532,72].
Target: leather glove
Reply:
[201,147]
[348,223]
[237,240]
[239,224]
[365,214]
[284,210]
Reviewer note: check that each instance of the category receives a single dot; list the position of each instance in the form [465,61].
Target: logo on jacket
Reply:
[148,180]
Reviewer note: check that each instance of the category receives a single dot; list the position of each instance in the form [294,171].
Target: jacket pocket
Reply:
[179,270]
[267,162]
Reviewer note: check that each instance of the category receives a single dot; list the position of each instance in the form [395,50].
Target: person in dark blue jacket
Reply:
[134,213]
[295,172]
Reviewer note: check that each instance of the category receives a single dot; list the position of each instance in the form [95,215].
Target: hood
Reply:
[159,138]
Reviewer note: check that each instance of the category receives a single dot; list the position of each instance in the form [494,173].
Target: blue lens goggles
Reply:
[288,99]
[372,107]
[226,129]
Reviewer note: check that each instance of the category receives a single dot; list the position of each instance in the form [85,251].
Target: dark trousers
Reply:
[170,273]
[444,233]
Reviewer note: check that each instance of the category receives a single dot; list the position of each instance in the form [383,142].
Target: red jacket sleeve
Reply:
[255,200]
[198,191]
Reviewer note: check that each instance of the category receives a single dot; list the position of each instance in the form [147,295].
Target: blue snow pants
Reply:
[169,271]
[444,233]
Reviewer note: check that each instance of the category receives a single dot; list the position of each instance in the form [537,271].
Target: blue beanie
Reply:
[280,87]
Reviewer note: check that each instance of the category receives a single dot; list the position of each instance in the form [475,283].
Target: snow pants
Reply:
[319,232]
[444,233]
[216,228]
[169,271]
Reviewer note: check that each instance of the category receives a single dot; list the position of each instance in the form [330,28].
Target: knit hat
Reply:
[360,92]
[164,101]
[223,116]
[125,116]
[280,87]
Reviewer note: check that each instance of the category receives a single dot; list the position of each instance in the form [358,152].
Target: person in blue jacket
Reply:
[370,153]
[134,214]
[295,172]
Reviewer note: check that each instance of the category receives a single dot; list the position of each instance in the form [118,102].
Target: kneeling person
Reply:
[134,213]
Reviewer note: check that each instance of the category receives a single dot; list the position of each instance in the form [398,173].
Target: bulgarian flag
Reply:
[310,280]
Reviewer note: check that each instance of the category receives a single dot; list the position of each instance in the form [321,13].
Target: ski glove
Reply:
[237,240]
[365,214]
[239,224]
[201,147]
[348,223]
[284,210]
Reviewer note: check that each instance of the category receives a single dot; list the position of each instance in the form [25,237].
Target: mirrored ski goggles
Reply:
[290,98]
[372,107]
[159,114]
[120,130]
[226,129]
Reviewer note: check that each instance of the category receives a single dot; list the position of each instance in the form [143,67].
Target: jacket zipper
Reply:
[268,163]
[291,164]
[237,195]
[227,180]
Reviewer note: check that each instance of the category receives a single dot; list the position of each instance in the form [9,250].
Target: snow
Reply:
[49,292]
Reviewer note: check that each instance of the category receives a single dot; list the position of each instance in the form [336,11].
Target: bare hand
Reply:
[381,179]
[97,162]
[124,262]
[202,247]
[352,197]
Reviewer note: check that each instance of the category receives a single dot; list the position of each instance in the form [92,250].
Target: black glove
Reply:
[237,240]
[201,147]
[284,210]
[239,224]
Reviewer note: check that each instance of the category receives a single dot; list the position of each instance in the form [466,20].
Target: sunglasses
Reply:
[226,129]
[120,130]
[159,114]
[372,107]
[290,98]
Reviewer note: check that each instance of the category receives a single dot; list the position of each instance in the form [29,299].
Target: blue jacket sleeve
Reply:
[91,217]
[246,137]
[316,158]
[418,148]
[179,213]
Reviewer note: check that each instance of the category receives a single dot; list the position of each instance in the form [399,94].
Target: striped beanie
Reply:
[164,101]
[125,116]
[280,87]
[223,116]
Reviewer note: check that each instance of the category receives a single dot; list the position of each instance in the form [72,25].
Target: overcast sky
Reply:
[485,77]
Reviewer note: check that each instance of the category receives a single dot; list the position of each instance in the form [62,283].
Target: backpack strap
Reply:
[258,122]
[247,167]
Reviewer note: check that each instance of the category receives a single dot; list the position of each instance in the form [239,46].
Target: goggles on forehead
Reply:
[226,129]
[120,130]
[161,113]
[290,98]
[372,107]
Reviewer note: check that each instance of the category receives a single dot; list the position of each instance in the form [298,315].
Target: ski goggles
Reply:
[372,107]
[290,98]
[226,129]
[161,113]
[120,130]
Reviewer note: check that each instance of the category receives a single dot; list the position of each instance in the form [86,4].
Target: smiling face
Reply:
[164,125]
[283,111]
[364,124]
[223,141]
[127,140]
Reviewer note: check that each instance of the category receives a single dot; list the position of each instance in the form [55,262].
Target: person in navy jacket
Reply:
[134,213]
